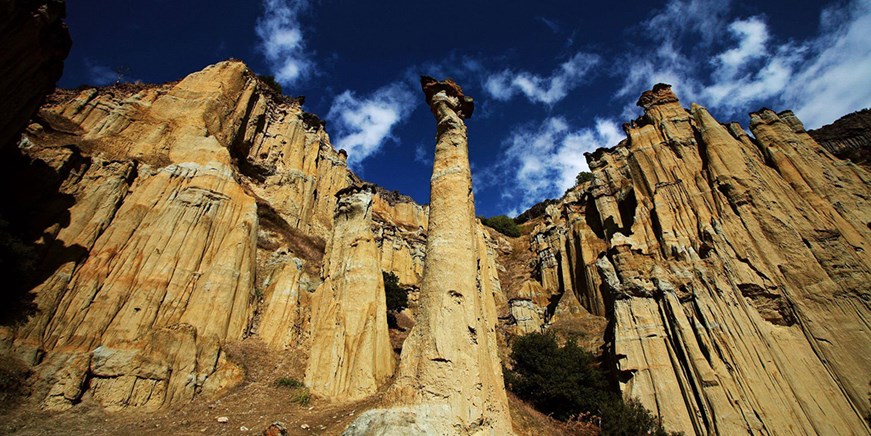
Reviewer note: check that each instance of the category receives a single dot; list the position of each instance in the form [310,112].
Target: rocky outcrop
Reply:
[450,379]
[35,43]
[848,138]
[732,270]
[175,203]
[401,229]
[350,356]
[181,243]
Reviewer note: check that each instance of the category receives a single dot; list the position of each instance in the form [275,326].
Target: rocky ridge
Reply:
[732,271]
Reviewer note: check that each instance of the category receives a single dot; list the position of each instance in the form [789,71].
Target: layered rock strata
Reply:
[450,379]
[350,355]
[848,138]
[195,220]
[733,271]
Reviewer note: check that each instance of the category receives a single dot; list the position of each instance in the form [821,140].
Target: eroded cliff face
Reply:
[350,354]
[449,379]
[733,271]
[186,215]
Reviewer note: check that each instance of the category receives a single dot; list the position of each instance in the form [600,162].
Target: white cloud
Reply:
[821,78]
[281,40]
[752,34]
[540,89]
[364,125]
[837,78]
[680,18]
[422,156]
[100,75]
[542,161]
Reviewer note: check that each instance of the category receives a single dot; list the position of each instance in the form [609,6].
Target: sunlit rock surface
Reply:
[450,378]
[350,355]
[733,271]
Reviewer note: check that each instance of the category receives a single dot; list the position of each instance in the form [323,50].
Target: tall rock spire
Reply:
[449,372]
[351,354]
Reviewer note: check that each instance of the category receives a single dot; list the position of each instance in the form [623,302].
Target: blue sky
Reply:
[551,79]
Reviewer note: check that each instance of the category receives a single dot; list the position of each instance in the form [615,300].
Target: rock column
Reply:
[450,377]
[351,354]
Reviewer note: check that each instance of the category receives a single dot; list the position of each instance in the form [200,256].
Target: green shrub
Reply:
[301,397]
[583,177]
[397,296]
[269,81]
[287,382]
[566,383]
[630,418]
[562,381]
[502,224]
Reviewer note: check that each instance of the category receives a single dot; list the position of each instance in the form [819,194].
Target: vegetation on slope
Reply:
[502,224]
[565,382]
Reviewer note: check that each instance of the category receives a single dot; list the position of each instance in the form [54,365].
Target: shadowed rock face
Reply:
[35,43]
[733,271]
[848,138]
[449,375]
[351,356]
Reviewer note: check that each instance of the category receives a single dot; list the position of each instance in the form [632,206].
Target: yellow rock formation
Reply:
[350,355]
[450,378]
[734,271]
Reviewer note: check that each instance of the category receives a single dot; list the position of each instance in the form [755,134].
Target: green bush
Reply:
[562,381]
[502,224]
[397,296]
[566,383]
[287,382]
[583,177]
[630,418]
[271,83]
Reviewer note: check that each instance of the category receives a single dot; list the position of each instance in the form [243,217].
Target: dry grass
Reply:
[530,422]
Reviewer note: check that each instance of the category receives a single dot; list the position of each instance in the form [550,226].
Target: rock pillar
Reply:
[450,375]
[351,354]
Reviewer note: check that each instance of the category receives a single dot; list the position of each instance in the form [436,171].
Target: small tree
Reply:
[397,296]
[583,177]
[566,383]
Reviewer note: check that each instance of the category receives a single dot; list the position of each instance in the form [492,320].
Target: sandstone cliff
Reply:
[733,271]
[726,275]
[184,216]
